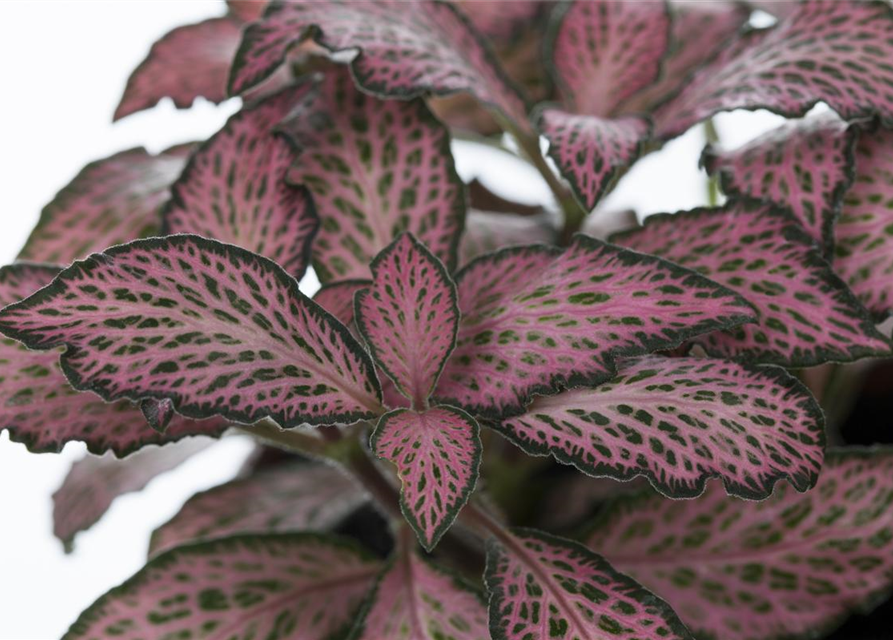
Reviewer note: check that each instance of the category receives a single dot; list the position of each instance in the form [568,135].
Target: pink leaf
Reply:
[804,166]
[793,565]
[680,421]
[406,50]
[215,328]
[93,483]
[234,188]
[300,585]
[807,315]
[246,10]
[487,231]
[114,200]
[337,298]
[837,52]
[542,586]
[409,317]
[437,454]
[291,497]
[375,168]
[500,21]
[537,319]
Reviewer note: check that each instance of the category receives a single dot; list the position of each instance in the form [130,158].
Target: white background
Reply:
[63,65]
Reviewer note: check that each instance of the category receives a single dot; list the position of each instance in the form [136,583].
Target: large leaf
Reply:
[233,189]
[114,200]
[805,167]
[409,317]
[542,586]
[680,421]
[405,49]
[375,168]
[290,497]
[93,483]
[538,319]
[830,51]
[215,328]
[437,454]
[807,315]
[293,586]
[792,566]
[864,256]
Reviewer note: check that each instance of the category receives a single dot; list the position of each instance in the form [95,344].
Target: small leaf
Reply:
[807,315]
[835,52]
[406,50]
[680,421]
[215,328]
[538,319]
[302,585]
[544,586]
[409,317]
[437,454]
[487,231]
[233,189]
[792,566]
[291,497]
[804,166]
[114,200]
[93,483]
[375,168]
[158,413]
[337,298]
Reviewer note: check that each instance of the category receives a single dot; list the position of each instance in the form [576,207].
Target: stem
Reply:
[292,441]
[712,136]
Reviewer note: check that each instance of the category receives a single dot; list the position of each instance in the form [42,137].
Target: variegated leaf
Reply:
[792,566]
[158,413]
[680,421]
[293,586]
[807,315]
[337,298]
[114,200]
[538,319]
[291,497]
[437,454]
[542,586]
[215,328]
[233,189]
[487,231]
[375,168]
[837,52]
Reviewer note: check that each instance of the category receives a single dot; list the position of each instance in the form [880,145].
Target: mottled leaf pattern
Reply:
[409,317]
[804,166]
[291,497]
[680,421]
[337,298]
[487,231]
[538,319]
[217,329]
[293,586]
[542,586]
[830,51]
[794,565]
[20,280]
[437,454]
[93,483]
[234,188]
[807,315]
[375,168]
[114,200]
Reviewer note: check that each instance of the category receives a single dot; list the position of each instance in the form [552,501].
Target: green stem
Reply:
[712,135]
[292,441]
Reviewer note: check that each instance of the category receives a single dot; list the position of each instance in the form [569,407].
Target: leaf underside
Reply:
[337,298]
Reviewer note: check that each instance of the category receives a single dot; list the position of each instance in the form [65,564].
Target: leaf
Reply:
[680,421]
[793,566]
[40,409]
[114,200]
[302,585]
[158,413]
[437,454]
[499,21]
[864,255]
[834,52]
[290,497]
[542,586]
[406,50]
[233,188]
[246,10]
[93,483]
[804,166]
[216,329]
[337,298]
[487,231]
[409,317]
[375,168]
[538,319]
